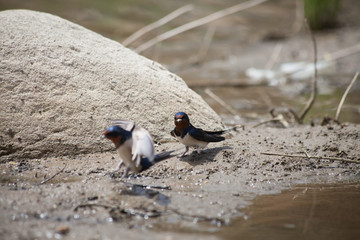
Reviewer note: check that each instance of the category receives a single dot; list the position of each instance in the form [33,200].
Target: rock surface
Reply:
[60,84]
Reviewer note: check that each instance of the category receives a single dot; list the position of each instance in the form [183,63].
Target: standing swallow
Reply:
[134,145]
[191,136]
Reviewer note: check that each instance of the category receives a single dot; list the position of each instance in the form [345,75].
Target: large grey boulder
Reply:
[60,84]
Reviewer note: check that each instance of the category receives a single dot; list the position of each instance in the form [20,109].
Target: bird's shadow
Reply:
[206,155]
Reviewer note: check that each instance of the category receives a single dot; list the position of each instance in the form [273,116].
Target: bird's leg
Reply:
[121,163]
[138,161]
[186,150]
[198,149]
[126,172]
[114,172]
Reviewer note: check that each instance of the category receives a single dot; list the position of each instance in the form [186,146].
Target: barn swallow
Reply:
[134,145]
[191,136]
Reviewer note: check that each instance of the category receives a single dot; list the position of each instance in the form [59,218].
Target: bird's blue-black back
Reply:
[205,136]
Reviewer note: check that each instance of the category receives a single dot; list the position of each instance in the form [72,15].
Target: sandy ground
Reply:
[205,191]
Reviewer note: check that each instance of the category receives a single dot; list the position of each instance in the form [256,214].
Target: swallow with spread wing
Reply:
[134,145]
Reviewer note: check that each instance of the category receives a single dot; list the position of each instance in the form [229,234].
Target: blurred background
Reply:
[243,64]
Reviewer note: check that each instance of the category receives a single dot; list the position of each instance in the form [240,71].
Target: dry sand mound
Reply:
[60,84]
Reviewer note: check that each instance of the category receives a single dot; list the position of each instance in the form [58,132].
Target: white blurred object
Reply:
[270,76]
[304,70]
[292,71]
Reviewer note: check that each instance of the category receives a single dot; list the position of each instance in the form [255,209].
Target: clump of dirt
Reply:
[177,197]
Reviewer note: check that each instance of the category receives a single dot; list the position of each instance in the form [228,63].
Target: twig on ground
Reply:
[274,113]
[205,45]
[274,56]
[314,80]
[197,217]
[287,110]
[53,176]
[126,211]
[344,95]
[128,184]
[199,22]
[220,101]
[84,205]
[149,186]
[157,24]
[306,153]
[279,118]
[296,117]
[342,53]
[320,158]
[299,14]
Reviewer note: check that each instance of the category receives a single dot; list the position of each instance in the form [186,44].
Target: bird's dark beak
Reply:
[106,133]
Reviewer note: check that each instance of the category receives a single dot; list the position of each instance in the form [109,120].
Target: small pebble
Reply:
[63,230]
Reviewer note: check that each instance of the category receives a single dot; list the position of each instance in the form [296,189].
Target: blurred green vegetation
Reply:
[321,14]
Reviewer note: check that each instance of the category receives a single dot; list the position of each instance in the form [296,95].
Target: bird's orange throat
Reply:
[115,140]
[181,125]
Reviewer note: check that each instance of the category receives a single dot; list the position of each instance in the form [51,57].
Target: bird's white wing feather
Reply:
[127,125]
[143,145]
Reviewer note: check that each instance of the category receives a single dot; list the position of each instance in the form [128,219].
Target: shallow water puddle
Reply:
[309,212]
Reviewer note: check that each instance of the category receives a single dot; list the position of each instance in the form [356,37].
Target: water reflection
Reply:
[309,212]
